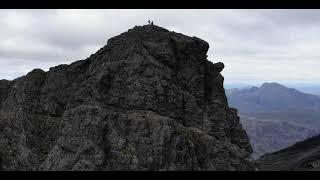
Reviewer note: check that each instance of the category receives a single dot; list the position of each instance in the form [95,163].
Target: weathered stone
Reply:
[148,100]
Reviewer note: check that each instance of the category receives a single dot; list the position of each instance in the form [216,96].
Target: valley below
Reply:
[275,117]
[270,135]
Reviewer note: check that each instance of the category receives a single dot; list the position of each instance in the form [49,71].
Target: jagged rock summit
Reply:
[148,100]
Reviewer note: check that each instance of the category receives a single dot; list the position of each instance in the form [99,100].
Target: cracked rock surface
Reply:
[148,100]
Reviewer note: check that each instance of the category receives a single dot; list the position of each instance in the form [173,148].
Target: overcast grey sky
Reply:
[255,45]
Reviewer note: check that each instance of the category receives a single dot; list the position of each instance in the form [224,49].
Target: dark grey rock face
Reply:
[148,100]
[4,90]
[302,156]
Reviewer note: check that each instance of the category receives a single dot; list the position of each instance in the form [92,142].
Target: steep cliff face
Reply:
[148,100]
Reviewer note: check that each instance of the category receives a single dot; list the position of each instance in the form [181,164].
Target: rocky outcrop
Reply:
[148,100]
[302,156]
[4,90]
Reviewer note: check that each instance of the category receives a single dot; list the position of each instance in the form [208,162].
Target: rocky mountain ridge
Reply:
[302,156]
[148,100]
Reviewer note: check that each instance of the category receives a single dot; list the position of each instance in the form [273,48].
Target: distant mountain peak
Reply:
[272,97]
[272,85]
[275,117]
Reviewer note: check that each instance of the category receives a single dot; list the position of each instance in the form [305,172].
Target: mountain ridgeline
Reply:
[302,156]
[272,97]
[148,100]
[275,116]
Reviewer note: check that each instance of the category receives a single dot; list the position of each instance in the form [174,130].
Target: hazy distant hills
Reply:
[269,135]
[272,97]
[275,116]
